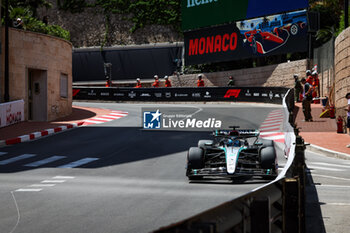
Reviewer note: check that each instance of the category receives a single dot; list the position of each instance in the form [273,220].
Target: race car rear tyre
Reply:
[203,143]
[195,158]
[267,157]
[266,142]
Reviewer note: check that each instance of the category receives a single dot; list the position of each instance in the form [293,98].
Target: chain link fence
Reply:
[324,59]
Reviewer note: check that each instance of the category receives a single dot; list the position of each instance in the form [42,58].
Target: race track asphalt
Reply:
[133,180]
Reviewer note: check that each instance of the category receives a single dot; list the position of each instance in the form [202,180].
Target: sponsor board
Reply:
[245,94]
[204,13]
[11,113]
[264,36]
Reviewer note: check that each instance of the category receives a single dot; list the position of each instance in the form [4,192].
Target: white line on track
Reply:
[331,177]
[28,190]
[338,204]
[42,185]
[333,186]
[3,153]
[44,161]
[325,168]
[330,164]
[78,163]
[63,177]
[53,181]
[15,159]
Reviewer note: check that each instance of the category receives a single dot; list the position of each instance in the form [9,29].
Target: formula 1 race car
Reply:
[232,153]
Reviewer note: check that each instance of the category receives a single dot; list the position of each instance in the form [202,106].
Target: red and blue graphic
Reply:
[264,36]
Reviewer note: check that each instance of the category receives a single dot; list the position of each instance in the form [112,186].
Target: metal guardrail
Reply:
[278,206]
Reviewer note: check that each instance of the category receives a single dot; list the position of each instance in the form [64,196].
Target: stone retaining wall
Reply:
[35,51]
[280,75]
[342,70]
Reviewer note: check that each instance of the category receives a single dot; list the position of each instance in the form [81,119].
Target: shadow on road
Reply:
[111,145]
[313,213]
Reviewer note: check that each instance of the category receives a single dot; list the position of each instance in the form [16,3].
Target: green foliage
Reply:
[32,5]
[330,11]
[73,6]
[31,23]
[36,25]
[159,12]
[325,34]
[342,23]
[140,13]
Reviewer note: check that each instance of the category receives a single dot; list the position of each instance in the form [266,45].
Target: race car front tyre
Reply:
[268,157]
[195,160]
[205,143]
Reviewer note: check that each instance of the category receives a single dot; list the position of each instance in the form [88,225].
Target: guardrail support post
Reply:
[260,215]
[290,206]
[300,172]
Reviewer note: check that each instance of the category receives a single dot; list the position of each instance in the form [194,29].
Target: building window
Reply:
[64,86]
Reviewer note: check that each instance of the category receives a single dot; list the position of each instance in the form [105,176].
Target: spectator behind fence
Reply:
[200,82]
[307,98]
[18,23]
[315,84]
[298,88]
[308,77]
[167,81]
[138,83]
[156,81]
[231,82]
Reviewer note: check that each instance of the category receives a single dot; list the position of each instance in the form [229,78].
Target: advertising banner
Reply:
[11,113]
[270,35]
[244,94]
[204,13]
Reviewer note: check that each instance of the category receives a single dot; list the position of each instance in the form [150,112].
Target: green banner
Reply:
[201,13]
[204,13]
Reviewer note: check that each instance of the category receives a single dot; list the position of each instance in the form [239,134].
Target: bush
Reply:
[32,24]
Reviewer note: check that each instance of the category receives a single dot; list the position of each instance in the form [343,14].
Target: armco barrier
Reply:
[278,206]
[244,94]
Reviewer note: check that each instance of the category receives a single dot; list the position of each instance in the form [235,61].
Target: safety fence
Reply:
[278,206]
[244,94]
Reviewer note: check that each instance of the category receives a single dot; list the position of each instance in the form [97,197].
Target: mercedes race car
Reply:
[232,153]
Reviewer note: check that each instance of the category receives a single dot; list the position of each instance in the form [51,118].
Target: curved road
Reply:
[128,180]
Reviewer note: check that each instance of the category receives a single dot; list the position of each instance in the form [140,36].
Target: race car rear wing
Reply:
[244,133]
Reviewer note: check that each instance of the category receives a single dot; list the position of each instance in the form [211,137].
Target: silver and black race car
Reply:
[233,153]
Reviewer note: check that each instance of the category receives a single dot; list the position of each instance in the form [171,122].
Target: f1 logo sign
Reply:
[232,92]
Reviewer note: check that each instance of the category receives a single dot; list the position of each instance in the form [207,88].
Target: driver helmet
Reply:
[236,143]
[229,142]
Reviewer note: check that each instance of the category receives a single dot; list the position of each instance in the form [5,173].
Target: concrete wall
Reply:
[28,50]
[280,75]
[342,69]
